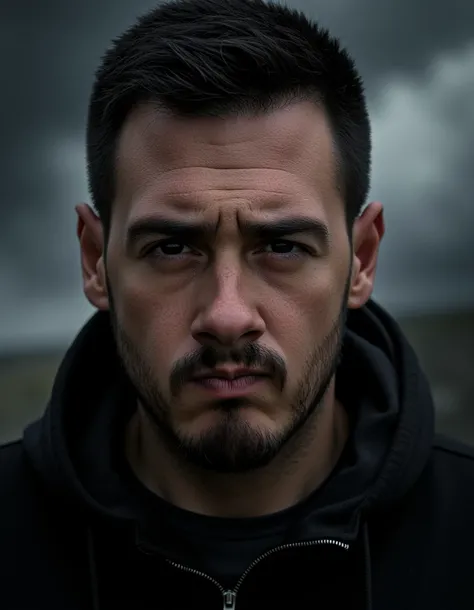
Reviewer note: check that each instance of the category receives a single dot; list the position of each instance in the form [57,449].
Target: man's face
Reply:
[228,264]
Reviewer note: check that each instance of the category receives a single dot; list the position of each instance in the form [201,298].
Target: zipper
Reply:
[230,596]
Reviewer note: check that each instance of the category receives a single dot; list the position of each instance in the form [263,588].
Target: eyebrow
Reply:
[192,231]
[151,227]
[289,226]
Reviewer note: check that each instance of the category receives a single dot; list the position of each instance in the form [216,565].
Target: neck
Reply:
[299,469]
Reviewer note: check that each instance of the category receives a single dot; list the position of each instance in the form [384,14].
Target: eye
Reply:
[285,248]
[168,248]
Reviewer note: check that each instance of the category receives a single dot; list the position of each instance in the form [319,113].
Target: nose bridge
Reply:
[227,312]
[228,280]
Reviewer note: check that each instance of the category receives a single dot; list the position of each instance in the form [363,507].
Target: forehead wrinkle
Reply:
[200,205]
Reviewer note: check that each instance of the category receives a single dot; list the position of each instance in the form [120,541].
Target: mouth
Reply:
[229,383]
[229,374]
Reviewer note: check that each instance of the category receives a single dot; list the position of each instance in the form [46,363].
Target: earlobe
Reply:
[367,234]
[91,241]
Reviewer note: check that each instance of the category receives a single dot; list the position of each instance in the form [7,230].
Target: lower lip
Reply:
[230,388]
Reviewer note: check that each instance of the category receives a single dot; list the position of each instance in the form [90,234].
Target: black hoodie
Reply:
[392,527]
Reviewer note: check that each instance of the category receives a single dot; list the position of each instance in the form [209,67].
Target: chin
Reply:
[237,440]
[229,418]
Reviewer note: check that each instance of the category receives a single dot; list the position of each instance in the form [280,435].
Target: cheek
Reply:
[301,318]
[155,321]
[309,303]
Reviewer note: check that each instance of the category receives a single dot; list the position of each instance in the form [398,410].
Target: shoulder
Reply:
[452,469]
[20,507]
[28,505]
[17,479]
[447,448]
[11,462]
[447,481]
[26,498]
[444,491]
[41,543]
[10,448]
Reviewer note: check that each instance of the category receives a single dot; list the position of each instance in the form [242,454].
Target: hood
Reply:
[392,425]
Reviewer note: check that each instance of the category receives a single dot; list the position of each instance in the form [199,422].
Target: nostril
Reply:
[251,335]
[206,338]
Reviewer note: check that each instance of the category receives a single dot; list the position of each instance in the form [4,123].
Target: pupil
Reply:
[172,248]
[282,247]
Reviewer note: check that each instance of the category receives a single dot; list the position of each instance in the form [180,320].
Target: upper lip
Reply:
[230,373]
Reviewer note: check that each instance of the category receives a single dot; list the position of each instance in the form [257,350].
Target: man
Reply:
[239,426]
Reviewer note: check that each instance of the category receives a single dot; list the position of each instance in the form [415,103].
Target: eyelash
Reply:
[153,250]
[302,249]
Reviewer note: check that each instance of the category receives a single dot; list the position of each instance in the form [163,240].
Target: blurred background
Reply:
[417,60]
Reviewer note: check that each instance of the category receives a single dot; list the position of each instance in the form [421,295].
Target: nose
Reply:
[227,318]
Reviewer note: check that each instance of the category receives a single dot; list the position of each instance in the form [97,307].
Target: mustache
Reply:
[250,355]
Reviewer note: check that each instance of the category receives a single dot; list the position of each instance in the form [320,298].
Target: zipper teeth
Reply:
[291,545]
[197,573]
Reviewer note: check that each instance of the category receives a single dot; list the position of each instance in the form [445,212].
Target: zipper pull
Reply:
[229,600]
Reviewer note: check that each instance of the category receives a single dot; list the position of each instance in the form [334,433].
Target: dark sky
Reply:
[417,60]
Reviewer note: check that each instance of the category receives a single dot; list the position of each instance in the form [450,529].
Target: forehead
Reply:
[268,160]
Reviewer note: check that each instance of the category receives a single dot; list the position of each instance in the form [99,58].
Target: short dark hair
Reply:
[218,57]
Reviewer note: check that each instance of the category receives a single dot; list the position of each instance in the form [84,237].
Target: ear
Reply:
[91,239]
[367,234]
